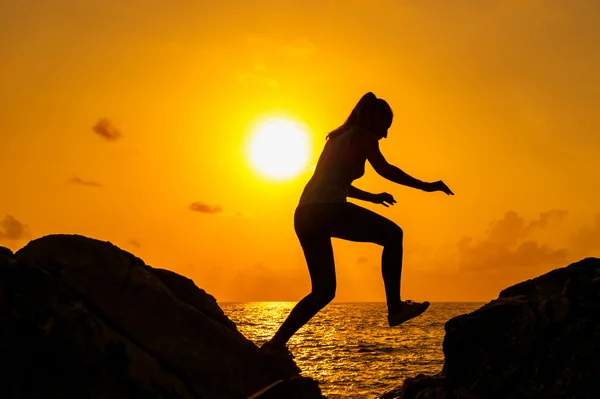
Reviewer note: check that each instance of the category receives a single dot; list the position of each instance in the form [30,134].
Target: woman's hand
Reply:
[384,199]
[439,186]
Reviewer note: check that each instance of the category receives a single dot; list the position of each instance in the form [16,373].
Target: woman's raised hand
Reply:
[384,199]
[440,186]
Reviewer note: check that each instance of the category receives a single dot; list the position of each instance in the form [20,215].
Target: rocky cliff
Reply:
[539,339]
[81,318]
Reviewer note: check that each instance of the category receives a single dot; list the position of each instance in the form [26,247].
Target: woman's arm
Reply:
[357,193]
[395,174]
[389,171]
[384,199]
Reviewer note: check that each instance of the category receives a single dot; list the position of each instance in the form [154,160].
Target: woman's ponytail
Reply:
[364,108]
[359,114]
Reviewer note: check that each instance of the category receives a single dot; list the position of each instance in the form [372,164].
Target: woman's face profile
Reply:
[380,127]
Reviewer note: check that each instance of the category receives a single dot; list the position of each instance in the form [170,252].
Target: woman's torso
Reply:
[341,162]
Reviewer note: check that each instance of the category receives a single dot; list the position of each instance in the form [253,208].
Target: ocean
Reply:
[349,348]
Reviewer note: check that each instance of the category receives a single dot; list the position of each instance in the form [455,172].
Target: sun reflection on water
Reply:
[349,348]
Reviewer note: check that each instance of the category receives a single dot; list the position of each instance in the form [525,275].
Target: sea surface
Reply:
[349,348]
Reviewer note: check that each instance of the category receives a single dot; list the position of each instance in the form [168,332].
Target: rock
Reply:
[421,386]
[293,388]
[186,291]
[539,339]
[53,345]
[83,318]
[5,252]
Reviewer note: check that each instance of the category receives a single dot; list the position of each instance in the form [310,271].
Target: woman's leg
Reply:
[315,226]
[362,225]
[319,258]
[391,270]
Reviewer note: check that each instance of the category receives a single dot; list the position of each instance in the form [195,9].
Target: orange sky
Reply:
[498,98]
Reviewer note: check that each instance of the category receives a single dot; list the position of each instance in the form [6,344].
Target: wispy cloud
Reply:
[266,56]
[205,208]
[12,229]
[298,48]
[107,130]
[135,243]
[242,214]
[544,219]
[511,245]
[586,240]
[507,243]
[79,181]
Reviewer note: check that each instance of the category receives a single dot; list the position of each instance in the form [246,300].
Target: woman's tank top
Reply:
[341,162]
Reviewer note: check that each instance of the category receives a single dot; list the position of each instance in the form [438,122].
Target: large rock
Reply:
[82,318]
[52,345]
[186,291]
[539,339]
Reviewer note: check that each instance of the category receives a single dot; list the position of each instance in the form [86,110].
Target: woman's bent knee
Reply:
[393,236]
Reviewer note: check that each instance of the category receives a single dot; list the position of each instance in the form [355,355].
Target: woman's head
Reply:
[370,113]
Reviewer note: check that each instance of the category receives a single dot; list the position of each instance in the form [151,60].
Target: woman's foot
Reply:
[408,310]
[283,355]
[277,349]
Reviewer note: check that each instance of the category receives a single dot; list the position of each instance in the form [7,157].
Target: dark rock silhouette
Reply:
[81,318]
[539,339]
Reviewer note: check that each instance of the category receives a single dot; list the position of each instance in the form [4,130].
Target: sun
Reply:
[278,148]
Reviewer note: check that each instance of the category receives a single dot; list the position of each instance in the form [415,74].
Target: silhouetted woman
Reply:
[323,213]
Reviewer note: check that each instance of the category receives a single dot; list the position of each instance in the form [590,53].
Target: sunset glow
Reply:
[185,132]
[279,149]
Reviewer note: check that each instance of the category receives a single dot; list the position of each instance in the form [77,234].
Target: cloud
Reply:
[506,230]
[298,48]
[544,220]
[81,182]
[266,55]
[513,228]
[258,49]
[12,229]
[106,129]
[531,253]
[507,244]
[135,243]
[204,208]
[362,259]
[586,240]
[242,214]
[512,249]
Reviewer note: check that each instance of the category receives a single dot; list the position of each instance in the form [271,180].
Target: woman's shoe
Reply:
[283,356]
[281,350]
[409,310]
